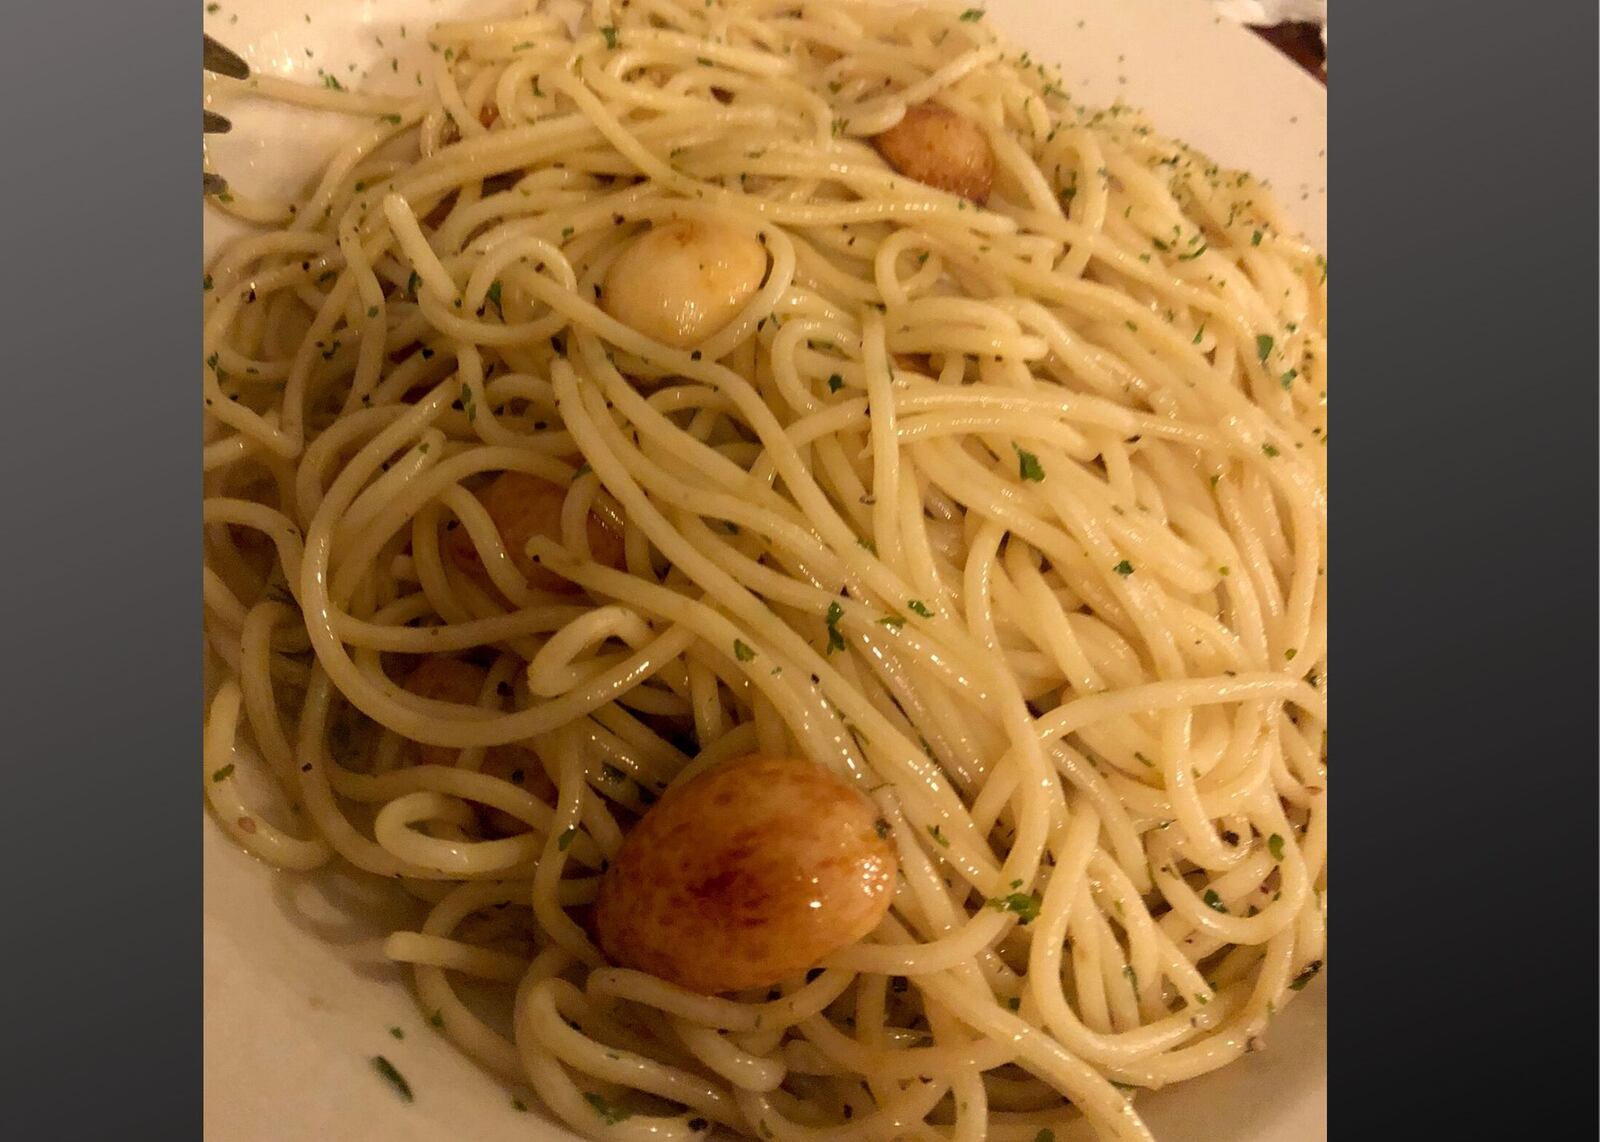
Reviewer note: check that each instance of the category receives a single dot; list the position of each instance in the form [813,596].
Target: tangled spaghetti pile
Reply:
[1006,504]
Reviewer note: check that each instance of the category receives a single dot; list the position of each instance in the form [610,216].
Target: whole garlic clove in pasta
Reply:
[441,679]
[746,876]
[941,148]
[524,506]
[682,281]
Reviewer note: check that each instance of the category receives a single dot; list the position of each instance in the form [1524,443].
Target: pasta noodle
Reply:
[1010,512]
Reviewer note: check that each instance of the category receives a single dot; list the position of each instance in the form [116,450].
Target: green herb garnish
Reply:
[385,1068]
[1024,904]
[835,639]
[1028,466]
[1306,976]
[610,1111]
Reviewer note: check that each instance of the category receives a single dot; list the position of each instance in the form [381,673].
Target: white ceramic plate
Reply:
[298,995]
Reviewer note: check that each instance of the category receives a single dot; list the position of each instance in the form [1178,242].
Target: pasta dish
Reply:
[802,549]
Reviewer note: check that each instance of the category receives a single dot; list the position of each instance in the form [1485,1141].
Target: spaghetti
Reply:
[1009,509]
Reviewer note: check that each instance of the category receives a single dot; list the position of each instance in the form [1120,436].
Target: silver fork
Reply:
[222,61]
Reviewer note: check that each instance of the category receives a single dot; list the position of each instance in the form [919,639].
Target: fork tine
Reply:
[216,184]
[223,61]
[216,124]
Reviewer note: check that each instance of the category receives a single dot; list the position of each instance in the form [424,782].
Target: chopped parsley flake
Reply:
[610,1111]
[1306,976]
[492,296]
[893,622]
[1028,466]
[397,1033]
[937,833]
[610,34]
[564,841]
[1124,569]
[1287,380]
[917,606]
[385,1068]
[835,639]
[1269,451]
[1275,846]
[1263,346]
[1213,901]
[835,383]
[972,15]
[224,773]
[741,651]
[1024,904]
[1255,239]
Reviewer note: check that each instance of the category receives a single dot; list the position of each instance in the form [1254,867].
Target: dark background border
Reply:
[1464,578]
[1464,570]
[100,568]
